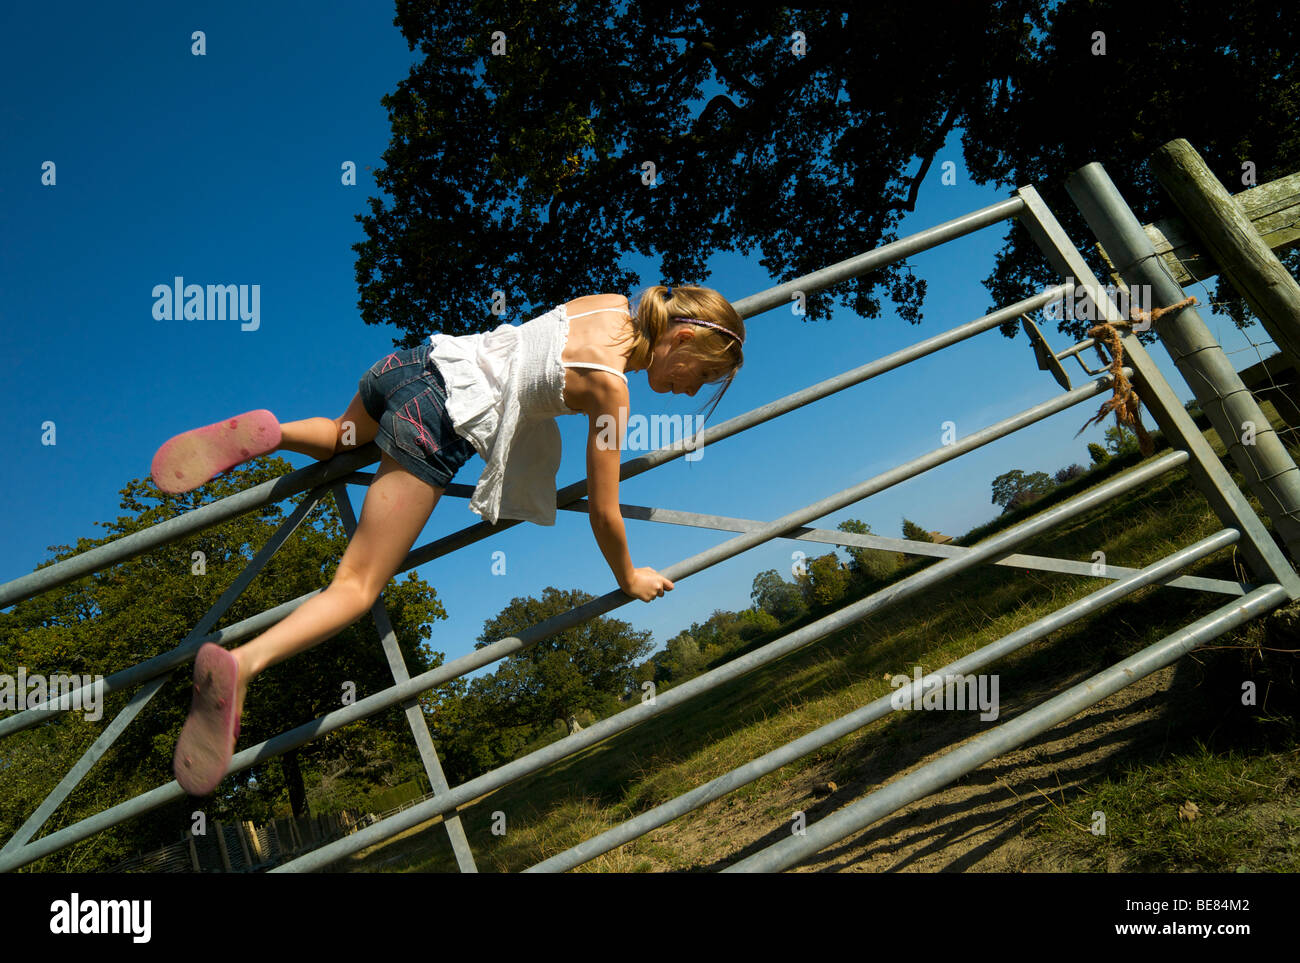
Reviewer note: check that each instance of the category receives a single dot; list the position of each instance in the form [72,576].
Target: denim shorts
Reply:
[406,394]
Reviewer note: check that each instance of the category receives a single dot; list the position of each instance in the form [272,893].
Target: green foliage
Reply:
[914,532]
[1014,488]
[1239,107]
[774,595]
[825,580]
[498,162]
[647,671]
[135,610]
[1120,440]
[1069,473]
[752,623]
[865,564]
[1098,474]
[707,643]
[387,799]
[720,632]
[1099,454]
[683,656]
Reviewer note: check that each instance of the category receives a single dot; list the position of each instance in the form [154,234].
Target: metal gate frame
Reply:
[1278,581]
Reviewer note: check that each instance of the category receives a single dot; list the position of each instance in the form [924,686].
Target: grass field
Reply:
[1184,776]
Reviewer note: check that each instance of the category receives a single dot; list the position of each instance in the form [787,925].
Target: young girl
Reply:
[430,409]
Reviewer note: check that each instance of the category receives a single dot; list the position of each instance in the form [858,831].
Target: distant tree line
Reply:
[1016,489]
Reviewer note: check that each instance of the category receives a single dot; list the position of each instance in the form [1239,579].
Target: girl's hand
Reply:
[647,584]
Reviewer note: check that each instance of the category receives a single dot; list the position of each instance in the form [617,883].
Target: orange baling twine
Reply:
[1125,401]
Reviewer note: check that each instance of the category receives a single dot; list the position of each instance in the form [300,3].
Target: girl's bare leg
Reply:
[323,438]
[396,508]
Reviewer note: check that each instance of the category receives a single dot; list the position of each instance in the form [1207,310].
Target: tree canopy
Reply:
[915,532]
[824,580]
[1015,488]
[1120,440]
[535,146]
[773,594]
[865,563]
[492,718]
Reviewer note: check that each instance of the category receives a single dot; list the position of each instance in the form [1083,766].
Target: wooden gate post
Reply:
[1243,257]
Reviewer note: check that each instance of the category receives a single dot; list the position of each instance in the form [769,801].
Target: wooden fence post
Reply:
[242,836]
[1248,263]
[255,840]
[221,845]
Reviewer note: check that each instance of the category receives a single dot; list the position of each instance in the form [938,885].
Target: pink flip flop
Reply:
[195,457]
[207,742]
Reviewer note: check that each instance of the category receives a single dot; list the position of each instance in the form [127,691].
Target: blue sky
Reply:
[225,169]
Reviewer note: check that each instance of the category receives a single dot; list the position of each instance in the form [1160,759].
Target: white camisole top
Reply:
[505,387]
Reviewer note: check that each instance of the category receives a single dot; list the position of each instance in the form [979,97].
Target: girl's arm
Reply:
[607,409]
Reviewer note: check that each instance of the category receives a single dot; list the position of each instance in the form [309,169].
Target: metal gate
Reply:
[1269,471]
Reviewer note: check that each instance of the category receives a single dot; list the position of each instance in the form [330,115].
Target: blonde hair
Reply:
[653,311]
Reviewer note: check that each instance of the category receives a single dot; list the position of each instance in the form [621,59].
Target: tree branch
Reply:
[938,141]
[720,65]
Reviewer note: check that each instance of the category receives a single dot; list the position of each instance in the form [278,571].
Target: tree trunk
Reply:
[293,780]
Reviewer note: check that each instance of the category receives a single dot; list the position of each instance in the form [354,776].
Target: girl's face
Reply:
[676,369]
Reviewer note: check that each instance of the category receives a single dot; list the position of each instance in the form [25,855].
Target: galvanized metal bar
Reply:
[1041,563]
[1265,559]
[1081,346]
[635,715]
[1267,468]
[880,257]
[141,698]
[1157,572]
[994,547]
[573,492]
[971,755]
[414,714]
